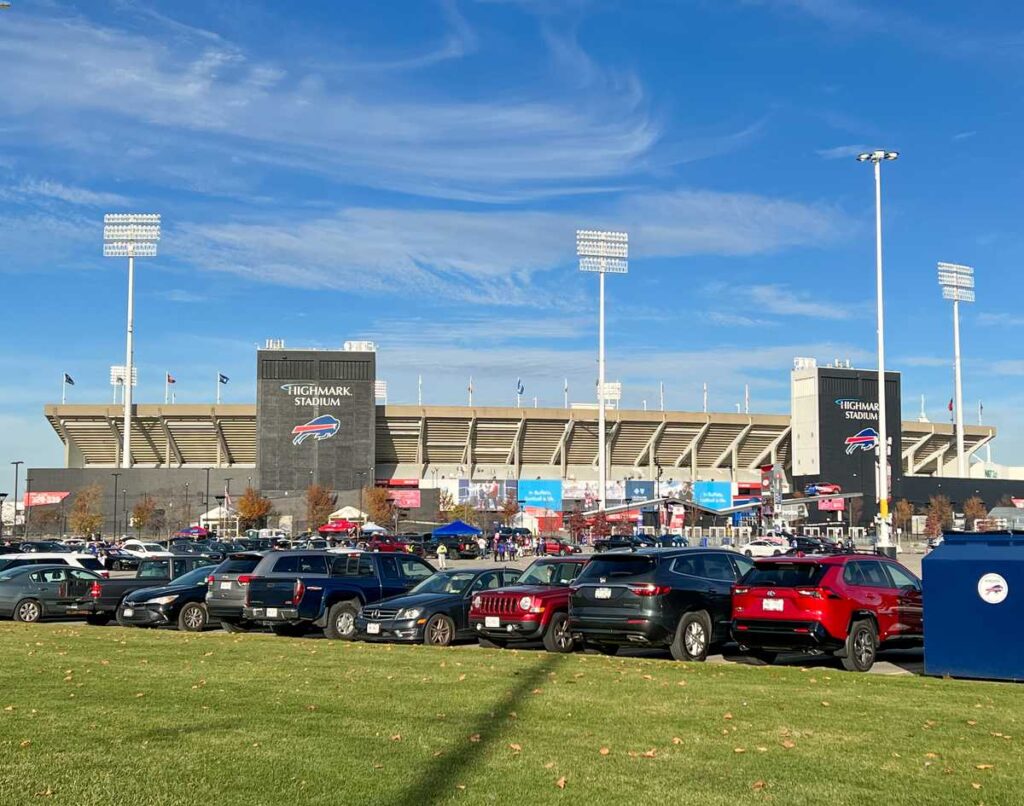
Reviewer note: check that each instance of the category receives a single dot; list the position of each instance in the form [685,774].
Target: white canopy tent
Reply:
[373,528]
[348,514]
[221,518]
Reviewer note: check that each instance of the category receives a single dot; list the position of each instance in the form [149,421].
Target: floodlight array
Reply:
[129,249]
[957,282]
[599,243]
[604,264]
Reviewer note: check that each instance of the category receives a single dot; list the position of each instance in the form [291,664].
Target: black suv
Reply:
[624,542]
[675,598]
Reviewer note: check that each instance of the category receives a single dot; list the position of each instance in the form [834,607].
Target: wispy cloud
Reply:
[727,319]
[46,188]
[784,300]
[841,152]
[1000,319]
[963,136]
[1010,367]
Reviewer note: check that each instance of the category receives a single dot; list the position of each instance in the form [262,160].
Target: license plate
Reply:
[492,622]
[772,604]
[225,586]
[271,612]
[127,612]
[373,629]
[603,593]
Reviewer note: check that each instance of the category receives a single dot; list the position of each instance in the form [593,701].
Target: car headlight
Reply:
[411,613]
[162,600]
[526,602]
[478,602]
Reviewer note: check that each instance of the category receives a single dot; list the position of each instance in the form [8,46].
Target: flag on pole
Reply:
[222,377]
[69,380]
[171,379]
[520,389]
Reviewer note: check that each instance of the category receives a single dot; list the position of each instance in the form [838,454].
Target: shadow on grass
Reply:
[436,780]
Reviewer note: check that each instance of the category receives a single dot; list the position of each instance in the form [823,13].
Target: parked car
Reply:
[180,603]
[295,591]
[34,592]
[116,560]
[673,541]
[799,545]
[463,547]
[226,586]
[848,605]
[761,548]
[43,547]
[86,561]
[107,602]
[624,542]
[436,611]
[140,549]
[556,546]
[385,543]
[675,598]
[534,608]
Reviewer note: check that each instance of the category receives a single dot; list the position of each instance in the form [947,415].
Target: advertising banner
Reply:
[639,490]
[673,488]
[832,505]
[541,496]
[397,482]
[586,492]
[486,495]
[713,494]
[44,499]
[405,499]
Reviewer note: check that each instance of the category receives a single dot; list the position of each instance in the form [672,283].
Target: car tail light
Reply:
[740,590]
[818,593]
[95,590]
[244,579]
[209,580]
[650,589]
[298,592]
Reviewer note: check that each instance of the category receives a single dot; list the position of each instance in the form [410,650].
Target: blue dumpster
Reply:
[974,606]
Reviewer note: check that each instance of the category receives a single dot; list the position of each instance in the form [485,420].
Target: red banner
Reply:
[44,499]
[549,523]
[397,482]
[832,505]
[405,499]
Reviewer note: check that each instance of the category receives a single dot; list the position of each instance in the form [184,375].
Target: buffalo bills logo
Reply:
[866,439]
[994,590]
[323,427]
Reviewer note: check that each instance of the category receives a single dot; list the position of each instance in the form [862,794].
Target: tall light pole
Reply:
[130,235]
[116,477]
[957,283]
[885,545]
[14,524]
[602,252]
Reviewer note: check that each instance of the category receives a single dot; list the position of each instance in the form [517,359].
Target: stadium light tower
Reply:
[885,545]
[130,235]
[602,252]
[957,283]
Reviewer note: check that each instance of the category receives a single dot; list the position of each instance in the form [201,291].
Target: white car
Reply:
[86,561]
[761,548]
[143,550]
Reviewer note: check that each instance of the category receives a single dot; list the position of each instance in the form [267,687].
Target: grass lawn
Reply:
[111,716]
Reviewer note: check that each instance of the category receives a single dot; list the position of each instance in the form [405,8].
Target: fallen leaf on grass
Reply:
[739,750]
[789,744]
[931,755]
[727,715]
[9,708]
[650,753]
[397,737]
[462,677]
[513,715]
[648,677]
[604,751]
[972,721]
[46,793]
[975,785]
[681,683]
[560,783]
[378,766]
[762,750]
[310,707]
[984,766]
[25,743]
[758,786]
[549,765]
[140,693]
[515,748]
[460,787]
[825,703]
[475,737]
[438,753]
[536,691]
[676,740]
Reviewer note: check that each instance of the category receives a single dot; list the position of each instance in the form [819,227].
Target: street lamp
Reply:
[130,235]
[3,497]
[116,477]
[885,545]
[14,523]
[957,283]
[602,252]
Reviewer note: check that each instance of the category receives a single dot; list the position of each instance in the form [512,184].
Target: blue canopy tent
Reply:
[456,529]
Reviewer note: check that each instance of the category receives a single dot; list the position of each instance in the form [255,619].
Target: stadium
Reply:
[317,420]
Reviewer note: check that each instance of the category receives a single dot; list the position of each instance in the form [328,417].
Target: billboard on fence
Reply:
[639,490]
[44,499]
[586,492]
[404,499]
[713,494]
[540,496]
[486,495]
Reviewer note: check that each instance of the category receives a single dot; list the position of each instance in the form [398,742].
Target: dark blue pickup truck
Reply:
[324,589]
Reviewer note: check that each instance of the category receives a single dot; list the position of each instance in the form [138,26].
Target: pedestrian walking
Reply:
[494,546]
[442,556]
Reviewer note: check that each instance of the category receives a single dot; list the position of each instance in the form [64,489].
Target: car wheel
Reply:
[693,637]
[119,618]
[492,643]
[233,626]
[192,618]
[341,621]
[861,646]
[29,611]
[776,553]
[557,637]
[440,631]
[98,619]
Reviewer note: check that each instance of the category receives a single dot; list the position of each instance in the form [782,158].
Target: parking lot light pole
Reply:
[130,235]
[602,252]
[14,522]
[957,283]
[3,497]
[116,477]
[885,545]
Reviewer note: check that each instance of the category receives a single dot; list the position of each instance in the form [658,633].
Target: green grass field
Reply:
[111,716]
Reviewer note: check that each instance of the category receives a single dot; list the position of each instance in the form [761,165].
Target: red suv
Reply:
[386,543]
[535,608]
[552,546]
[848,605]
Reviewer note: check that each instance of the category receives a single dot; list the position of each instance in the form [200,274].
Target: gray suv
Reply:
[226,588]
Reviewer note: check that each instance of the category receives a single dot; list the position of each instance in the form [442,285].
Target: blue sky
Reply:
[328,171]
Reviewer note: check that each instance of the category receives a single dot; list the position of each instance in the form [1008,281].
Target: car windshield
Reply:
[13,571]
[153,547]
[446,582]
[784,575]
[541,573]
[193,577]
[622,565]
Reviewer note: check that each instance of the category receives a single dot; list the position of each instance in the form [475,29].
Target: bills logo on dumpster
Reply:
[866,440]
[323,427]
[992,588]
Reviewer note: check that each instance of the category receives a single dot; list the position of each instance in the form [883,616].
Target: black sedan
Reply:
[434,612]
[180,603]
[624,542]
[117,560]
[34,592]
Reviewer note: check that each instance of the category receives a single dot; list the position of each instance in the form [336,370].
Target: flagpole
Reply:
[705,398]
[565,390]
[419,390]
[218,387]
[63,388]
[470,390]
[167,389]
[661,391]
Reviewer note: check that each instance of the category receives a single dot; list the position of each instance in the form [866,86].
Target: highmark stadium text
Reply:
[309,395]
